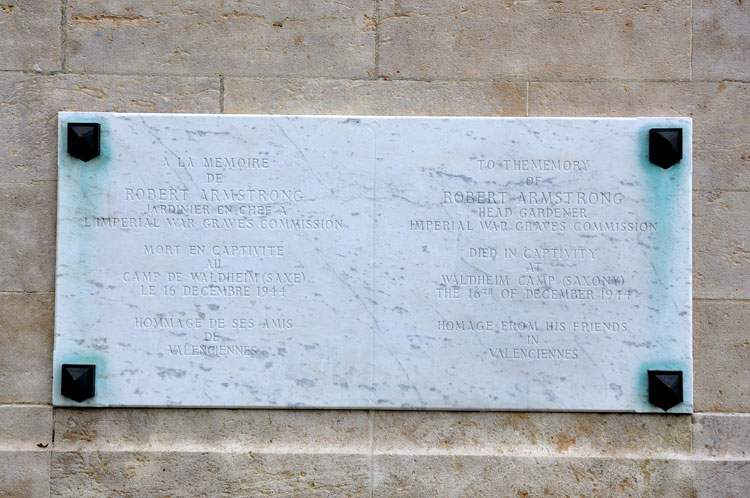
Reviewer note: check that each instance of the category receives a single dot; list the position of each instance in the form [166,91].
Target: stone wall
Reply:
[430,57]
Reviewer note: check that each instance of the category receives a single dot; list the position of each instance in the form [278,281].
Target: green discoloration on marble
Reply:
[92,173]
[80,187]
[663,205]
[85,358]
[98,308]
[641,385]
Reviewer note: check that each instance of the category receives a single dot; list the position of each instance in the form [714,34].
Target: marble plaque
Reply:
[374,262]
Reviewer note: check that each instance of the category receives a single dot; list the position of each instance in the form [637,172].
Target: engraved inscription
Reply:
[364,262]
[221,271]
[534,273]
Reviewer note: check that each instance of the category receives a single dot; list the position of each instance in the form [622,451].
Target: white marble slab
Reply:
[374,262]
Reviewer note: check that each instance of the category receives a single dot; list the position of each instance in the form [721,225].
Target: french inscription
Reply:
[282,261]
[223,204]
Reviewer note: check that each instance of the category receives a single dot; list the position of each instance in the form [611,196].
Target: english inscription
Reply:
[459,263]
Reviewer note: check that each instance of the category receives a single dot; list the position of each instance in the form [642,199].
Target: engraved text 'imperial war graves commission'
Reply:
[374,262]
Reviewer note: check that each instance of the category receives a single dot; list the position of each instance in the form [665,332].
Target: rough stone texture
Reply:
[537,476]
[25,427]
[721,245]
[210,453]
[535,454]
[722,449]
[27,236]
[238,430]
[31,34]
[25,441]
[722,436]
[300,38]
[546,40]
[30,104]
[208,474]
[321,96]
[24,474]
[721,352]
[727,479]
[721,39]
[720,112]
[26,329]
[532,434]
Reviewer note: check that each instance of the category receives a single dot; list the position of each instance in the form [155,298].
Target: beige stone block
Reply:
[207,474]
[24,474]
[721,352]
[722,435]
[722,450]
[576,39]
[722,478]
[25,427]
[312,431]
[30,103]
[27,236]
[532,434]
[720,112]
[300,38]
[206,453]
[721,245]
[721,40]
[26,332]
[323,96]
[438,475]
[25,443]
[31,35]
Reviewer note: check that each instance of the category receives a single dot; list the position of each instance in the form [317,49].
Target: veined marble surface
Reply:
[384,262]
